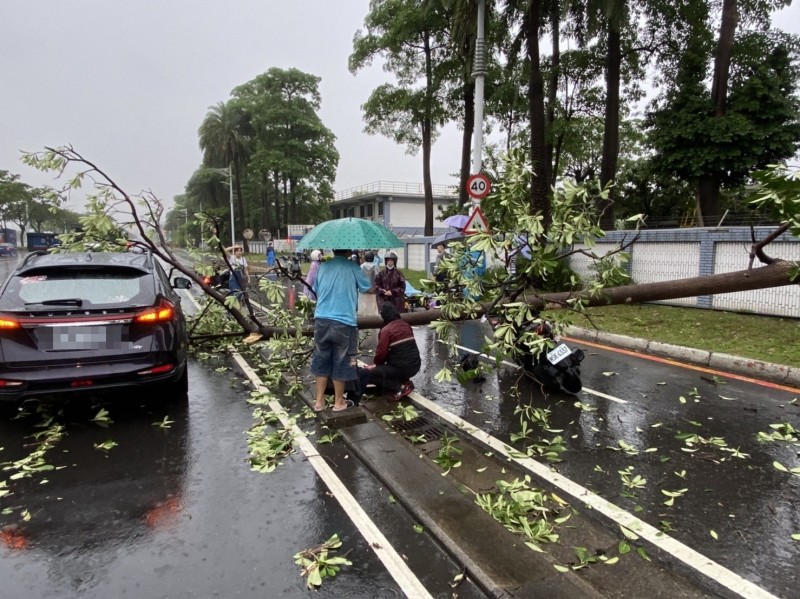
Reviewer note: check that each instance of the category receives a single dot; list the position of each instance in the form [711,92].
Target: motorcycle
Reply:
[218,279]
[557,369]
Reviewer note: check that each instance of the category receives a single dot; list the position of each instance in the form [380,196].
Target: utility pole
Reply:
[479,73]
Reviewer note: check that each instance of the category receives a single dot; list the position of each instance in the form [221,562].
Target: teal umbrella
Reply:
[349,234]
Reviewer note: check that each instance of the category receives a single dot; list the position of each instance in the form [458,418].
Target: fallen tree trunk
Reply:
[776,274]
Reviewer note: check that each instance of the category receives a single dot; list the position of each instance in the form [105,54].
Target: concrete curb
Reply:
[775,373]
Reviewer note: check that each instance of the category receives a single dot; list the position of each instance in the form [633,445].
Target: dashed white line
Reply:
[507,363]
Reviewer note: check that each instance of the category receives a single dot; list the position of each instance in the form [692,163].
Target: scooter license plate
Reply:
[559,353]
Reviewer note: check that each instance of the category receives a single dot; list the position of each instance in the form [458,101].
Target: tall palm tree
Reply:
[222,141]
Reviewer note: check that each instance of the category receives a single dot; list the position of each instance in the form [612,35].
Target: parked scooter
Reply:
[557,369]
[218,279]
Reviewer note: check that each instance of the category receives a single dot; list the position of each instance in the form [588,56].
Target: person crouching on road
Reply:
[390,285]
[396,358]
[337,286]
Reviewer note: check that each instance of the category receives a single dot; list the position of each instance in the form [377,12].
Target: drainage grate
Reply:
[419,426]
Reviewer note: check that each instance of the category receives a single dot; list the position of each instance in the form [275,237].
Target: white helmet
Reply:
[316,255]
[390,256]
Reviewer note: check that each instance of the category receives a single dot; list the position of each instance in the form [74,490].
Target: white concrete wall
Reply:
[411,213]
[778,301]
[655,262]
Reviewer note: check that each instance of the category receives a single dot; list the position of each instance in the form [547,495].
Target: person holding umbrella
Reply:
[337,285]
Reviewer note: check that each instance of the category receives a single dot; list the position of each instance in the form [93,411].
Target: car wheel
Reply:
[9,409]
[178,391]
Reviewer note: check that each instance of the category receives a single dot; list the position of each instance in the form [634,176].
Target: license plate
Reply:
[94,337]
[559,353]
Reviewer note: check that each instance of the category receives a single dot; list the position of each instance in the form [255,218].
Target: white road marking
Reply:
[690,557]
[507,363]
[394,562]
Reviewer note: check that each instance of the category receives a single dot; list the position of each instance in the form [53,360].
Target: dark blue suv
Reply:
[89,324]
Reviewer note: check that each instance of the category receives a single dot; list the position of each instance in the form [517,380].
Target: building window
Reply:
[380,208]
[362,211]
[351,212]
[369,210]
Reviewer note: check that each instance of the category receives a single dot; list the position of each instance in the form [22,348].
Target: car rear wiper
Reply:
[71,301]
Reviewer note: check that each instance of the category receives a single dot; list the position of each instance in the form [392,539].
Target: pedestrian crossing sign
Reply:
[476,223]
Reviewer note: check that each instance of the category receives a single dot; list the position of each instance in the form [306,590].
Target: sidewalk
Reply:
[775,373]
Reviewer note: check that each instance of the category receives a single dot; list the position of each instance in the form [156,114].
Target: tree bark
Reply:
[540,196]
[709,183]
[608,163]
[552,91]
[776,274]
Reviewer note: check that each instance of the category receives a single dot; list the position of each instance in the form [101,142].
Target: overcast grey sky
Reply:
[128,83]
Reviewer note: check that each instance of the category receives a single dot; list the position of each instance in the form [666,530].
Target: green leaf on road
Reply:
[561,568]
[105,445]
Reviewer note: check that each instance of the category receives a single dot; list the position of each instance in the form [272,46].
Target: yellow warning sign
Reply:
[476,223]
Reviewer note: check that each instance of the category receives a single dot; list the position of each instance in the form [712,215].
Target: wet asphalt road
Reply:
[177,512]
[749,505]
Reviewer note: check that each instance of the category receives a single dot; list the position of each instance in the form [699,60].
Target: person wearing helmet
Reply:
[390,285]
[311,277]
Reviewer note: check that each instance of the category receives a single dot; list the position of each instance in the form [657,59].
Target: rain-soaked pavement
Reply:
[677,427]
[174,510]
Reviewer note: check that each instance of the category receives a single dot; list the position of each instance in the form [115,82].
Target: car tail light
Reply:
[164,368]
[7,324]
[163,311]
[82,383]
[7,383]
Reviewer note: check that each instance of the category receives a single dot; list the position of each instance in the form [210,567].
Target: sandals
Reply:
[347,405]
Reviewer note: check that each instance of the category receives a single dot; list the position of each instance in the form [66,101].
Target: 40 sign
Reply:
[479,186]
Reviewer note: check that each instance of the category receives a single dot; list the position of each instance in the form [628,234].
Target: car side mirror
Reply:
[181,283]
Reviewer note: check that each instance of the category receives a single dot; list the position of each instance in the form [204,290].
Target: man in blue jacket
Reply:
[338,283]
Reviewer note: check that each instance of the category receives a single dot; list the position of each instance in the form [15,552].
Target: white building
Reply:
[398,206]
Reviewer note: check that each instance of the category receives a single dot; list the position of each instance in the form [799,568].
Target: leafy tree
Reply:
[292,155]
[410,36]
[21,204]
[222,139]
[705,135]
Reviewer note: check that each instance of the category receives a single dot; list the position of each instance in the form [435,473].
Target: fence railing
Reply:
[394,187]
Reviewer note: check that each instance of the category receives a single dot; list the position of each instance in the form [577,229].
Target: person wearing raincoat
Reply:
[311,277]
[390,285]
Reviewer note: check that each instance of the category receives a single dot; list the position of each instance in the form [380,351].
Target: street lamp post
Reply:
[230,185]
[229,171]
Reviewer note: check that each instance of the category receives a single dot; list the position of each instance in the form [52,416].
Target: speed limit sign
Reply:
[479,186]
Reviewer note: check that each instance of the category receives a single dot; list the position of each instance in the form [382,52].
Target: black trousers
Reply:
[386,377]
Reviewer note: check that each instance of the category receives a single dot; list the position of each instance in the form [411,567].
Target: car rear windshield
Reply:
[111,288]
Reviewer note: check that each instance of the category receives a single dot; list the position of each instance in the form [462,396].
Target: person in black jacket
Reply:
[396,359]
